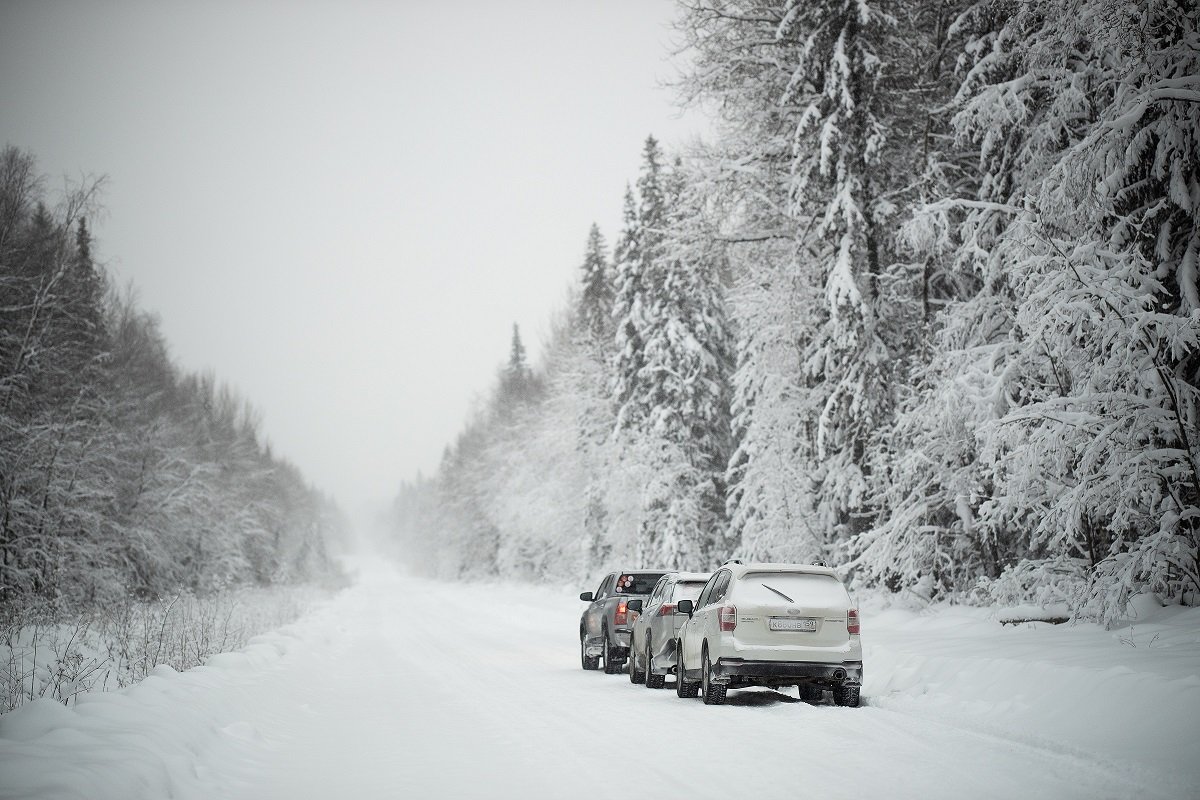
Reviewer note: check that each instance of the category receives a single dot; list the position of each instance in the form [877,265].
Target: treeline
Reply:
[926,308]
[119,474]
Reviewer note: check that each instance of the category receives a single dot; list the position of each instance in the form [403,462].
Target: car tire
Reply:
[588,662]
[811,693]
[713,693]
[683,688]
[846,696]
[652,681]
[635,675]
[611,667]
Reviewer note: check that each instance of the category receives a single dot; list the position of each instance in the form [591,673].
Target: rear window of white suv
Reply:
[689,590]
[799,588]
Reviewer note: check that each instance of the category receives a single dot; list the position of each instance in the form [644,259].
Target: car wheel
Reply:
[713,693]
[811,693]
[611,667]
[635,675]
[652,681]
[684,688]
[589,662]
[846,696]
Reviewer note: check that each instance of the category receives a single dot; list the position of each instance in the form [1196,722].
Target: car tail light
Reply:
[666,609]
[621,617]
[728,618]
[852,625]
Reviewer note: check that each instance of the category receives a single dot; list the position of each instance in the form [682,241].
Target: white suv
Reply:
[771,625]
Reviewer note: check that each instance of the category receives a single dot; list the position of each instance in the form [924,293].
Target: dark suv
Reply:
[606,623]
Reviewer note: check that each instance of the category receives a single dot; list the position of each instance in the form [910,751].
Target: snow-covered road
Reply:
[408,688]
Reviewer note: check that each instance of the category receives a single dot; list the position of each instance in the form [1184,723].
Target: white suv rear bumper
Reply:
[750,672]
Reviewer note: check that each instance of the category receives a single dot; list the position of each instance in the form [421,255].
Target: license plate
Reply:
[791,624]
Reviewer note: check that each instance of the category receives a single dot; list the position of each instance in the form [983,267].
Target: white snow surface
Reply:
[403,687]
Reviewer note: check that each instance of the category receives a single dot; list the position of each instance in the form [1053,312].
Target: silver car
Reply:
[652,642]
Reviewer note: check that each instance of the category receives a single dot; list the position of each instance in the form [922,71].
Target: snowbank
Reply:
[1130,695]
[158,738]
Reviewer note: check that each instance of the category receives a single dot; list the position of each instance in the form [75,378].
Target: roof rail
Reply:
[733,561]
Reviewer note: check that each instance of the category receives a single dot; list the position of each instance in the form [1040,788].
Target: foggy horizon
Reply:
[339,216]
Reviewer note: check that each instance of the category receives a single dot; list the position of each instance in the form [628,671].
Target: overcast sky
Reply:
[341,208]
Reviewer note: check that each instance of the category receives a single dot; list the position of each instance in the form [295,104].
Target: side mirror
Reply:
[585,596]
[634,605]
[684,607]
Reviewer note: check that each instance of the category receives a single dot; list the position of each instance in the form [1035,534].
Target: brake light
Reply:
[621,617]
[728,618]
[666,609]
[852,625]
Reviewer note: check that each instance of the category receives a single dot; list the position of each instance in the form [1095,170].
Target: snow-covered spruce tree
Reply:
[771,499]
[929,481]
[1104,460]
[517,386]
[580,379]
[845,361]
[689,360]
[638,243]
[638,247]
[670,372]
[543,472]
[1021,100]
[797,84]
[742,69]
[502,437]
[1054,424]
[594,316]
[55,443]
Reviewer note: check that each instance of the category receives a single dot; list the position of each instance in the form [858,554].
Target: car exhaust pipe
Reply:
[839,674]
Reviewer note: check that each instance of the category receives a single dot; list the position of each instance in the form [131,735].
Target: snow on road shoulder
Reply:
[1130,696]
[162,737]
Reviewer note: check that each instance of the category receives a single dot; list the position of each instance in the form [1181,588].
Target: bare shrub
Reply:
[46,653]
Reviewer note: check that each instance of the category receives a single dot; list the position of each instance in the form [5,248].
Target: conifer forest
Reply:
[122,476]
[925,308]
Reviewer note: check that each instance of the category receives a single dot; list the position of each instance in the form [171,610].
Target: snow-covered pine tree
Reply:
[517,386]
[928,480]
[638,247]
[582,379]
[1020,101]
[797,84]
[688,355]
[742,68]
[594,315]
[1103,460]
[847,392]
[1050,436]
[536,479]
[670,371]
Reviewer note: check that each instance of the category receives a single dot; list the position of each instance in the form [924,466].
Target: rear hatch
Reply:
[788,610]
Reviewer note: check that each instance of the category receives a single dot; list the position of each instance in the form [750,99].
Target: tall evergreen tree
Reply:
[517,385]
[639,249]
[688,365]
[797,86]
[595,310]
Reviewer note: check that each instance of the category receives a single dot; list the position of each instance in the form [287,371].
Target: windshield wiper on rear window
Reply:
[781,594]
